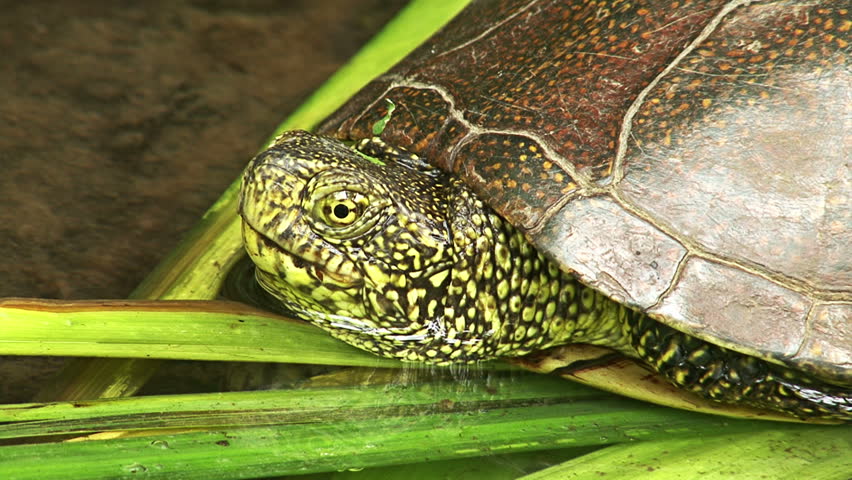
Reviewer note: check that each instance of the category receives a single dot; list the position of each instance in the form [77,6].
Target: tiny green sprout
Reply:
[371,159]
[379,126]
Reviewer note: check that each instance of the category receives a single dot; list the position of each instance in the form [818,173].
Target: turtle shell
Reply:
[690,159]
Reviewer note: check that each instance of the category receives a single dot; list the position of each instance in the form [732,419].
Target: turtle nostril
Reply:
[298,262]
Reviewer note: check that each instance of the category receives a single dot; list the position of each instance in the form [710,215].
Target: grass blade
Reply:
[187,330]
[778,454]
[259,434]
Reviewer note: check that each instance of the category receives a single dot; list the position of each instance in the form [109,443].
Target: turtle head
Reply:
[357,246]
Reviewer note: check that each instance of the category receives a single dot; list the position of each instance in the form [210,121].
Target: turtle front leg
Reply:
[727,376]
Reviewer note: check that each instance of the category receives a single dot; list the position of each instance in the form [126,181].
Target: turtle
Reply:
[667,179]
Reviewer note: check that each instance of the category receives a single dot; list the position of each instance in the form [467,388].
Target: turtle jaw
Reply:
[306,288]
[273,258]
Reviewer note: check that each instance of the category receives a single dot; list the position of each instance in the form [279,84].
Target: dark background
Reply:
[121,122]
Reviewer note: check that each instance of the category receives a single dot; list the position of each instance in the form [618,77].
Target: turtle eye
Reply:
[341,212]
[342,208]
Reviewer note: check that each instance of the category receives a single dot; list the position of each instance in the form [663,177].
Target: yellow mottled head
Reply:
[358,247]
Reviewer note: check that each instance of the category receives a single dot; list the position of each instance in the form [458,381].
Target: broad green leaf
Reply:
[260,434]
[494,467]
[778,454]
[182,330]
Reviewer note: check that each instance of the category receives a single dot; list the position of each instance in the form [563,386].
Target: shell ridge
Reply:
[676,276]
[586,184]
[626,124]
[485,33]
[695,250]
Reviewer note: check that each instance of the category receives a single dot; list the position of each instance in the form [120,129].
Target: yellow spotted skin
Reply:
[387,253]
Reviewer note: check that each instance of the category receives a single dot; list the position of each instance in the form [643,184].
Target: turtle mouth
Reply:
[314,270]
